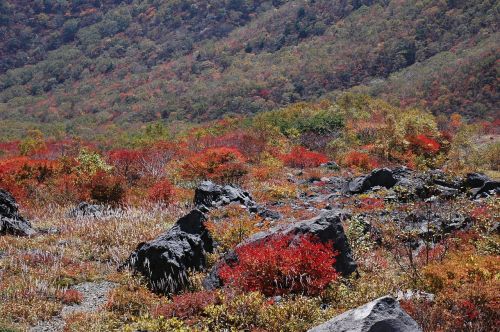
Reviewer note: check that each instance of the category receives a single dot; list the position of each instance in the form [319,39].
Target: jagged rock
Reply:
[475,180]
[326,227]
[211,195]
[11,222]
[382,177]
[85,209]
[269,214]
[489,187]
[166,260]
[381,315]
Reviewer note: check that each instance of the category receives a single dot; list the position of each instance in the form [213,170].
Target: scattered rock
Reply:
[269,214]
[85,209]
[415,295]
[381,315]
[95,295]
[11,222]
[166,260]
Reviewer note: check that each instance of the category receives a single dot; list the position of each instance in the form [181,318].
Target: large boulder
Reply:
[210,195]
[382,177]
[167,260]
[381,315]
[11,222]
[326,227]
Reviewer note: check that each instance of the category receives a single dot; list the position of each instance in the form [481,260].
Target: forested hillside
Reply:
[117,64]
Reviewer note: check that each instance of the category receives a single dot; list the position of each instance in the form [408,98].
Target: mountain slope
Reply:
[89,64]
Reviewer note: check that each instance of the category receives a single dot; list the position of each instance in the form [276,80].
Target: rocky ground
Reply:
[120,260]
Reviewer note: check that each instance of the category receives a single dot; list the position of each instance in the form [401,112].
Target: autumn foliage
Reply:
[219,164]
[300,157]
[161,192]
[423,144]
[360,160]
[282,265]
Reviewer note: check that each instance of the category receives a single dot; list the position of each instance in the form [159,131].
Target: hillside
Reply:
[101,66]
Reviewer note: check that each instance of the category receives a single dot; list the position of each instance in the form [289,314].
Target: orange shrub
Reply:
[360,160]
[106,188]
[219,164]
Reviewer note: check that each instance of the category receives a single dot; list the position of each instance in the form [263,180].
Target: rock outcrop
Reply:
[166,260]
[381,315]
[211,195]
[11,222]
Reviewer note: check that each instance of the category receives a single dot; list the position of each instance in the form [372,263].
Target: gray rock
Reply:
[84,209]
[381,315]
[210,195]
[11,221]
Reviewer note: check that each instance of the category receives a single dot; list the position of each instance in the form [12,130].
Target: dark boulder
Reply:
[489,187]
[326,227]
[382,177]
[475,180]
[11,222]
[381,315]
[210,195]
[167,260]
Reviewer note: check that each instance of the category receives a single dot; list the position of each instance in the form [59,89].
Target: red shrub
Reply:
[106,188]
[125,162]
[280,265]
[188,305]
[300,157]
[161,192]
[250,144]
[422,144]
[70,296]
[220,164]
[360,160]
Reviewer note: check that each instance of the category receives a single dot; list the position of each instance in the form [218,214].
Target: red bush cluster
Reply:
[188,305]
[300,157]
[219,164]
[161,192]
[422,144]
[360,160]
[282,265]
[106,188]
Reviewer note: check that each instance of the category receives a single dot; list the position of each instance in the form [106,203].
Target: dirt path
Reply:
[94,296]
